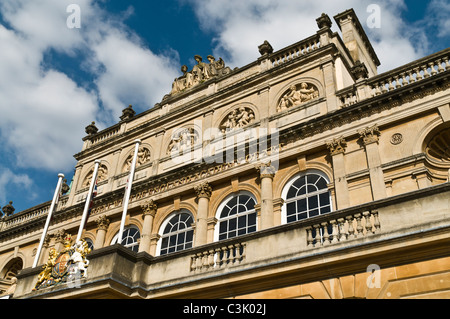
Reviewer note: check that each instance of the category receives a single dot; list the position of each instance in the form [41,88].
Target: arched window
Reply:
[305,196]
[176,232]
[90,243]
[130,238]
[237,216]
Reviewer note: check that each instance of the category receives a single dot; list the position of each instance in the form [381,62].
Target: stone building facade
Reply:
[304,174]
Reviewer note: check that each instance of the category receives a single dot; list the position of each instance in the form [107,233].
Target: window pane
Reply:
[251,229]
[313,212]
[232,224]
[291,218]
[233,211]
[189,235]
[321,183]
[301,205]
[292,192]
[312,178]
[300,182]
[242,209]
[252,219]
[324,199]
[311,188]
[242,221]
[225,212]
[291,208]
[302,216]
[313,202]
[222,227]
[325,209]
[243,199]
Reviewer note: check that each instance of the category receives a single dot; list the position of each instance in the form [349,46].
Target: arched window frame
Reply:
[190,237]
[131,232]
[291,181]
[247,213]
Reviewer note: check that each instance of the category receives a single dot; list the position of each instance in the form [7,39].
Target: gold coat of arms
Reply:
[65,267]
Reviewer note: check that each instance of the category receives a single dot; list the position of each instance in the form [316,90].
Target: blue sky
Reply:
[55,80]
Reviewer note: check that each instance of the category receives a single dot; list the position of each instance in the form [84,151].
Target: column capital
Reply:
[149,208]
[370,134]
[103,222]
[203,190]
[337,145]
[266,169]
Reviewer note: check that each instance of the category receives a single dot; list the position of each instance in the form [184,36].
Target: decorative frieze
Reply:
[240,117]
[143,157]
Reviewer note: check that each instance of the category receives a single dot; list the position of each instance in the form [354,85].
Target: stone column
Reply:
[337,149]
[149,211]
[369,136]
[102,227]
[154,243]
[266,174]
[203,191]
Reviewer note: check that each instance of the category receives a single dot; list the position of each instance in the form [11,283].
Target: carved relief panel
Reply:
[102,175]
[239,117]
[296,95]
[183,140]
[143,157]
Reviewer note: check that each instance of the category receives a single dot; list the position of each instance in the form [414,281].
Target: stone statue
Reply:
[78,258]
[47,269]
[200,72]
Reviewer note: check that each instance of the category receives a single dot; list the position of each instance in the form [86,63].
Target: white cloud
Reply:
[8,179]
[242,25]
[44,111]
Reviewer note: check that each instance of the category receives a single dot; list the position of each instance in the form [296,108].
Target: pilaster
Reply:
[337,149]
[370,136]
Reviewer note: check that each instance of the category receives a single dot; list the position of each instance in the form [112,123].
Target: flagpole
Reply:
[88,201]
[128,191]
[49,217]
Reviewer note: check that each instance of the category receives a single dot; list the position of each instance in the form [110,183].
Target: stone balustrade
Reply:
[218,257]
[295,51]
[410,73]
[105,135]
[349,227]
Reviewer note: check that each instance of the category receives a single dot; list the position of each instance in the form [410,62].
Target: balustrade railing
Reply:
[336,230]
[219,257]
[106,135]
[410,73]
[295,51]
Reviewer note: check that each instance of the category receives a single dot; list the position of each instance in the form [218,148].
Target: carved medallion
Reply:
[296,95]
[396,139]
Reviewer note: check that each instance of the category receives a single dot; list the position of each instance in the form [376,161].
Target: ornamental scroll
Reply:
[297,95]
